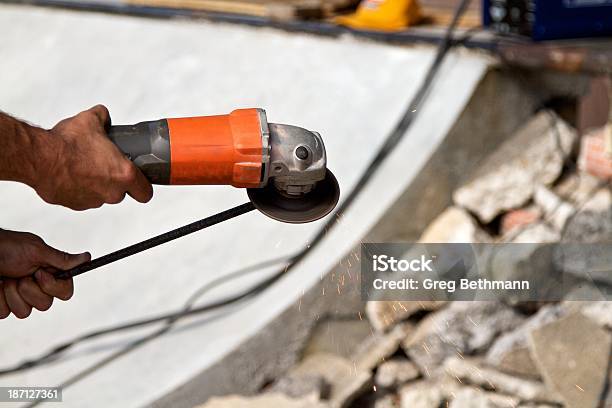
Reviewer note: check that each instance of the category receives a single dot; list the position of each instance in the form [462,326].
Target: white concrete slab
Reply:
[55,63]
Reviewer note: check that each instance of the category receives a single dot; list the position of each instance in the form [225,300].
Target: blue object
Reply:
[549,19]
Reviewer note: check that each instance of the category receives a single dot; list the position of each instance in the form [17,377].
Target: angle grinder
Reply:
[283,167]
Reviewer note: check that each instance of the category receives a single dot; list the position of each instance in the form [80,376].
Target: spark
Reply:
[374,388]
[579,387]
[473,322]
[414,110]
[425,347]
[323,292]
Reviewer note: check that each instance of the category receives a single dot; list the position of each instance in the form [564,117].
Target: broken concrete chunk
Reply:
[534,155]
[556,211]
[262,401]
[297,386]
[394,373]
[346,380]
[593,222]
[337,336]
[471,372]
[576,188]
[505,354]
[591,225]
[536,233]
[584,293]
[532,262]
[600,312]
[380,346]
[461,328]
[467,397]
[519,362]
[388,401]
[422,395]
[573,354]
[385,314]
[454,225]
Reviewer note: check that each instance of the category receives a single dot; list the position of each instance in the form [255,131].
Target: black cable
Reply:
[157,240]
[390,143]
[172,317]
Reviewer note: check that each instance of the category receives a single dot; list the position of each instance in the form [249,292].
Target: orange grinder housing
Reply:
[223,149]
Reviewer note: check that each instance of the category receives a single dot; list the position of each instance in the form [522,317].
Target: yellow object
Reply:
[384,15]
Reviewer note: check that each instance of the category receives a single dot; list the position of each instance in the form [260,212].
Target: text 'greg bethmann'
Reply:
[452,272]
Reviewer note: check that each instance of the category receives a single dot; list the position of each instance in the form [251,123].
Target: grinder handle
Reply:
[147,144]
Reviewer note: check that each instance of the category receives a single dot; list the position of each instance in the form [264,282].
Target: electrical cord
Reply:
[187,310]
[390,143]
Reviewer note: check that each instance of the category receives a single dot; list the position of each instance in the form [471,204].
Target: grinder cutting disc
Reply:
[319,202]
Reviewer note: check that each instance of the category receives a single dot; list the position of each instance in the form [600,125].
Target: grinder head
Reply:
[297,185]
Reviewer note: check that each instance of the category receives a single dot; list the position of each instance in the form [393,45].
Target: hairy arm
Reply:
[20,145]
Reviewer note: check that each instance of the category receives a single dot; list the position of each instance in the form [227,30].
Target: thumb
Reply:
[62,260]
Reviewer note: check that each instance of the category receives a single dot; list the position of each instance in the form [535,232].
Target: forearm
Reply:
[21,146]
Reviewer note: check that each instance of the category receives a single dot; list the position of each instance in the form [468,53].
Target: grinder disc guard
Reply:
[316,204]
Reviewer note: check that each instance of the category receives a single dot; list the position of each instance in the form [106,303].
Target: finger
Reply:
[4,308]
[49,256]
[15,302]
[60,288]
[140,188]
[102,114]
[33,294]
[115,198]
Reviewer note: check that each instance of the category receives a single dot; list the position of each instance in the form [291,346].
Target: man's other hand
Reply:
[26,273]
[81,168]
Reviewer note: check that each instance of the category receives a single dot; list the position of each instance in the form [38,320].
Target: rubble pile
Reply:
[483,354]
